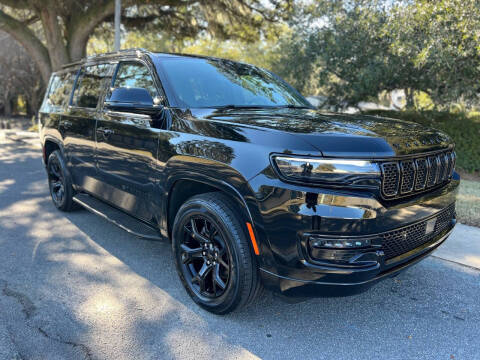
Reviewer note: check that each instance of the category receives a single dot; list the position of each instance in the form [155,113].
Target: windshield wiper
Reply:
[232,106]
[290,106]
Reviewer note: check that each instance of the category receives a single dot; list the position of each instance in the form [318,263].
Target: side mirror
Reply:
[134,100]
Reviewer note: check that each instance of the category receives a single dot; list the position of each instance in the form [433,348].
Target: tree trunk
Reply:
[80,27]
[29,41]
[7,107]
[33,102]
[53,34]
[409,96]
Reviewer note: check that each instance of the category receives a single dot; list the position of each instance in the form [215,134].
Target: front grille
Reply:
[398,242]
[408,176]
[422,172]
[390,179]
[417,174]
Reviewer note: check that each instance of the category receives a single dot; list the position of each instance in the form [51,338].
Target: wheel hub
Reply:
[210,253]
[205,258]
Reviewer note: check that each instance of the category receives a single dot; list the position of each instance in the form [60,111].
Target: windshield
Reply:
[198,83]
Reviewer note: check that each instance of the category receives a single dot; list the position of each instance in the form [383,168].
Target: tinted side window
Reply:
[61,89]
[89,85]
[135,75]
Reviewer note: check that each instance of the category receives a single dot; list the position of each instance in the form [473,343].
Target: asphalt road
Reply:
[73,286]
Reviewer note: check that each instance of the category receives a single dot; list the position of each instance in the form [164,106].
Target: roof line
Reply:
[139,51]
[107,54]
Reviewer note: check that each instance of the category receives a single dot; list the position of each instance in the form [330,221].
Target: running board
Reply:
[117,217]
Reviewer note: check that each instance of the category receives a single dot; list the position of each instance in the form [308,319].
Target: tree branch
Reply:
[16,4]
[29,41]
[82,25]
[31,20]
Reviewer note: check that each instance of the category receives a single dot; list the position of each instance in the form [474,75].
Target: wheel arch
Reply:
[184,186]
[50,144]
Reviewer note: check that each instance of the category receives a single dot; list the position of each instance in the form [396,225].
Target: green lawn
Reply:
[468,203]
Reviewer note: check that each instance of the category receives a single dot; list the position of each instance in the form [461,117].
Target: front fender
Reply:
[221,177]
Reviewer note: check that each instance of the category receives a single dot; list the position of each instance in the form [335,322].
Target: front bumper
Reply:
[286,213]
[338,282]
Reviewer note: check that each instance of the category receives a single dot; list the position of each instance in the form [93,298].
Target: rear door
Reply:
[127,146]
[56,101]
[78,124]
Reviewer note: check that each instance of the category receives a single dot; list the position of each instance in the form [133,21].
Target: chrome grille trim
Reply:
[408,172]
[390,178]
[433,171]
[416,174]
[453,158]
[442,172]
[422,173]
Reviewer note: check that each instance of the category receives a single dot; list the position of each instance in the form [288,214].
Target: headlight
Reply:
[332,171]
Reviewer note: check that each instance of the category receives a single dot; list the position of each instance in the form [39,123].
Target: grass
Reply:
[468,203]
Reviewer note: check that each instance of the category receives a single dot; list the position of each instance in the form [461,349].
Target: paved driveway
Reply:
[73,286]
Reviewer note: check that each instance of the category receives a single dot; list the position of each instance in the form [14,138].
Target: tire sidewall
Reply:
[231,296]
[66,202]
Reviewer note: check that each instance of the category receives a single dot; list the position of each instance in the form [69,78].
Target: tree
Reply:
[18,77]
[357,49]
[56,32]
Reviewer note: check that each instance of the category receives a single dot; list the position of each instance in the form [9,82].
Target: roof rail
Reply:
[107,54]
[117,52]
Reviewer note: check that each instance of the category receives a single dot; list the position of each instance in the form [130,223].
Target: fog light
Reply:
[325,243]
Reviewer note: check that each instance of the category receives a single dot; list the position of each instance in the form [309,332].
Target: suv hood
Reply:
[339,135]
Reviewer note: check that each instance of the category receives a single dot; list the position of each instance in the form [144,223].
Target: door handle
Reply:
[105,132]
[66,124]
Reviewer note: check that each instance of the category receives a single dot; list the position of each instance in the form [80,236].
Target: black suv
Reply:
[252,185]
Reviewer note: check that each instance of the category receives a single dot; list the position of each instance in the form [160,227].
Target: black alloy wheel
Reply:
[213,255]
[59,182]
[56,180]
[205,258]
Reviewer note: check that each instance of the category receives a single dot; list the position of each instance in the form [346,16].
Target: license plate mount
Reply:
[430,226]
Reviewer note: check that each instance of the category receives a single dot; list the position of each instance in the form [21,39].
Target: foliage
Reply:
[462,127]
[55,32]
[261,53]
[364,47]
[19,82]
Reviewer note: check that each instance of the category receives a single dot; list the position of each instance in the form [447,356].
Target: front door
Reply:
[127,147]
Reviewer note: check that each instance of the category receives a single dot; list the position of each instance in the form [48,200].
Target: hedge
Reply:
[464,128]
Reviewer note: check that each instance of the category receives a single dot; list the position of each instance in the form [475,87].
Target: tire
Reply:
[211,247]
[60,182]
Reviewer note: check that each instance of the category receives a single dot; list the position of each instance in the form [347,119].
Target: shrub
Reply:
[462,127]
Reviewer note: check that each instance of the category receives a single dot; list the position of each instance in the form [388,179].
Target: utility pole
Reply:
[118,11]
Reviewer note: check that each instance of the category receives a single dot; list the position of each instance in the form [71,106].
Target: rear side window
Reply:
[135,75]
[89,86]
[60,89]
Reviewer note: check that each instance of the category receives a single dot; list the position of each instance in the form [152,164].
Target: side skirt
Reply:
[122,220]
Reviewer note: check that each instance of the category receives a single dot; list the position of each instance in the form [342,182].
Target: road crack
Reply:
[29,309]
[86,350]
